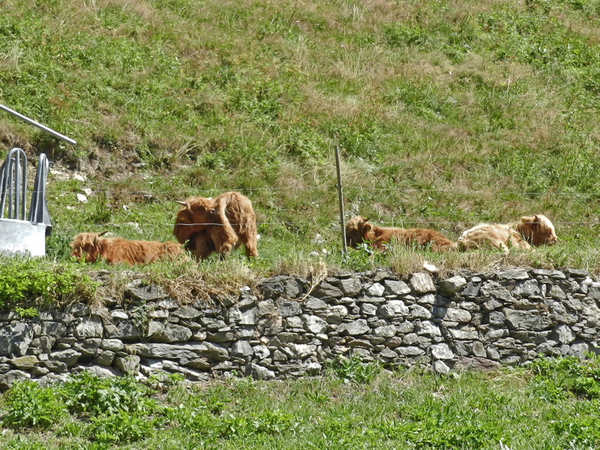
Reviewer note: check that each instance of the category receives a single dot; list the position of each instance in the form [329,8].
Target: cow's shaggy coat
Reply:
[208,225]
[116,250]
[358,230]
[530,230]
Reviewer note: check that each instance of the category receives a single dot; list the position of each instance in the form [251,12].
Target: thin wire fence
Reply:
[331,219]
[55,191]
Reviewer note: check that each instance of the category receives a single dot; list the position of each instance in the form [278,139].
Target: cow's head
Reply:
[538,230]
[198,210]
[357,230]
[86,244]
[195,215]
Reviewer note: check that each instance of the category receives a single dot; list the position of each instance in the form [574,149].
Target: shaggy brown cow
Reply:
[358,230]
[117,250]
[530,230]
[217,224]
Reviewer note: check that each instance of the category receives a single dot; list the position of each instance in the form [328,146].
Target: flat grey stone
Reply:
[242,349]
[393,309]
[89,328]
[186,312]
[314,324]
[396,288]
[9,378]
[138,291]
[129,364]
[354,328]
[441,351]
[259,372]
[171,333]
[26,362]
[350,287]
[513,274]
[452,285]
[68,357]
[421,283]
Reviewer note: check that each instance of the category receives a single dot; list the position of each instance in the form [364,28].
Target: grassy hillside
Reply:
[447,114]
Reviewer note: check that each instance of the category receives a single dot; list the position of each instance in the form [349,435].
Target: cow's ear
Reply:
[367,227]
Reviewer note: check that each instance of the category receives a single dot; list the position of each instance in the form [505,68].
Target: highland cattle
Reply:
[94,247]
[358,230]
[208,225]
[529,230]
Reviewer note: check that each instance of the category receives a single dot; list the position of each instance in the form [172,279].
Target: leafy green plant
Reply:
[120,427]
[57,245]
[88,393]
[364,257]
[139,317]
[352,369]
[556,379]
[32,406]
[161,380]
[27,312]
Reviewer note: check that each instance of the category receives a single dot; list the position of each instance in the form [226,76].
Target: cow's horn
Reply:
[103,233]
[367,219]
[181,203]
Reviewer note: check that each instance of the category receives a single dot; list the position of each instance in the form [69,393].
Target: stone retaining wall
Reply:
[283,330]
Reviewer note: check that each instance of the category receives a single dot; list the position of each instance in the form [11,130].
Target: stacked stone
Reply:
[285,328]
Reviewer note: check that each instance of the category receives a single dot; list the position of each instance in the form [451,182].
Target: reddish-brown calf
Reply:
[116,250]
[358,230]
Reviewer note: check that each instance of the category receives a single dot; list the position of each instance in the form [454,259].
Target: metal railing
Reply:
[19,235]
[22,233]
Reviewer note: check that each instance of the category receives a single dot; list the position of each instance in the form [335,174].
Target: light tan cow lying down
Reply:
[530,230]
[117,250]
[359,230]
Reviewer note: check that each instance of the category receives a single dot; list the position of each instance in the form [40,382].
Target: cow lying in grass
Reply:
[208,225]
[530,230]
[359,230]
[116,250]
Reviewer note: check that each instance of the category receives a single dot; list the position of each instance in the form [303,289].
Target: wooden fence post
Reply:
[341,197]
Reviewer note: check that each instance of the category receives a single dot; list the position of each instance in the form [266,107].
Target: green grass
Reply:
[447,115]
[522,408]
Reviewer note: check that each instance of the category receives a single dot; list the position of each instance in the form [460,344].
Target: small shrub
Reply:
[32,406]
